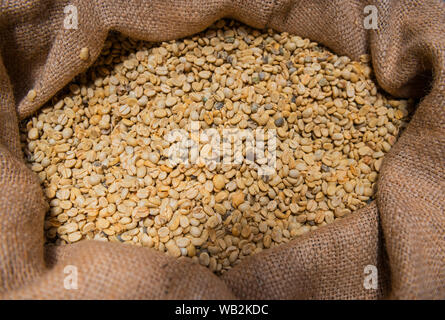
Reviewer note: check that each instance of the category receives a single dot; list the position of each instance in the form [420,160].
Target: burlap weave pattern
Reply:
[402,232]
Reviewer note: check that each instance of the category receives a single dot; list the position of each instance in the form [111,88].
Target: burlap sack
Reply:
[402,233]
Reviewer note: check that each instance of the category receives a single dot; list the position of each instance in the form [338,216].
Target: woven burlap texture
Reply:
[402,233]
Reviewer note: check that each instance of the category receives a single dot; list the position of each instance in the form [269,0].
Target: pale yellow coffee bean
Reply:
[163,232]
[173,249]
[219,182]
[84,54]
[33,134]
[237,198]
[32,94]
[73,237]
[204,259]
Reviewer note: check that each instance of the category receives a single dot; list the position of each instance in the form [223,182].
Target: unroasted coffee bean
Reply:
[102,149]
